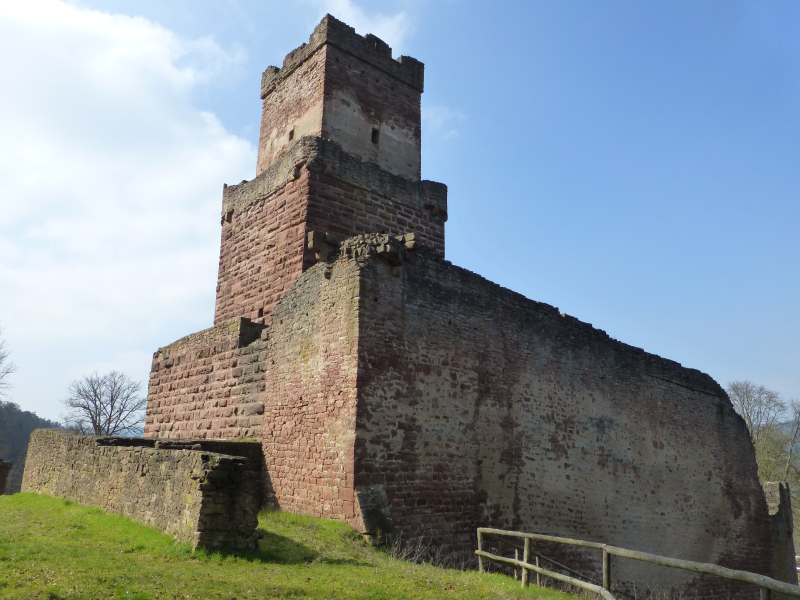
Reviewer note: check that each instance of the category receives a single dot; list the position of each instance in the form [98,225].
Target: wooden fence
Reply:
[767,585]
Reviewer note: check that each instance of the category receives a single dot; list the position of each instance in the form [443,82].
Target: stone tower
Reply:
[402,394]
[339,152]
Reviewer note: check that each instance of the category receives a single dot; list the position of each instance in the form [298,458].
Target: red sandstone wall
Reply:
[315,186]
[346,88]
[261,250]
[310,394]
[207,385]
[293,106]
[360,97]
[480,407]
[400,391]
[338,207]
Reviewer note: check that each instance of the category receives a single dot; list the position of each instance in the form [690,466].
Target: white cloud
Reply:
[441,121]
[110,187]
[392,29]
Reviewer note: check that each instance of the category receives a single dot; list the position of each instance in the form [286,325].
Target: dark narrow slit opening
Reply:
[260,312]
[375,135]
[291,135]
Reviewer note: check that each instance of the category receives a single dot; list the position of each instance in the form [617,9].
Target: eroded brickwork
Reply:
[292,109]
[263,240]
[779,503]
[191,491]
[371,114]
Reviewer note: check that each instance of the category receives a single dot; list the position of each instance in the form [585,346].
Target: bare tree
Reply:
[760,407]
[793,435]
[6,367]
[105,405]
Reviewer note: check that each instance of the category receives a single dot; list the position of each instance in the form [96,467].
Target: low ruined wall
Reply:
[5,469]
[201,492]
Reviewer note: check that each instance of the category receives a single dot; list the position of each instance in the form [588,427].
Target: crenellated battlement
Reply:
[368,48]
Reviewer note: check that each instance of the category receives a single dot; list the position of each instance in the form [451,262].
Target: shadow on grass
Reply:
[276,549]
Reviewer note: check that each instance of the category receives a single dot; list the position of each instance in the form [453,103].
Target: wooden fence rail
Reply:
[764,583]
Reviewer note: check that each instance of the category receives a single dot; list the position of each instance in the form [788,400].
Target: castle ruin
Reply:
[407,396]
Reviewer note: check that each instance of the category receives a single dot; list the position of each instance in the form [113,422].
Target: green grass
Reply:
[56,550]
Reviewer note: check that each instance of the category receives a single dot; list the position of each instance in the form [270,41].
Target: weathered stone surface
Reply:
[779,502]
[203,492]
[405,395]
[5,469]
[479,406]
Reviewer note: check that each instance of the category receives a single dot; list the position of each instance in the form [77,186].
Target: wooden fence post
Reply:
[516,569]
[538,576]
[480,547]
[606,570]
[526,557]
[766,594]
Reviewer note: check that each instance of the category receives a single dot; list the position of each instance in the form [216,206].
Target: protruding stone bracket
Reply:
[392,249]
[323,244]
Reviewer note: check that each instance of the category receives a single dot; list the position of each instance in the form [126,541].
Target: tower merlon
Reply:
[368,48]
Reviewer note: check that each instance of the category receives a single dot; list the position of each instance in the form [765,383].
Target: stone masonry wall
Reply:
[310,396]
[191,491]
[5,469]
[315,186]
[291,110]
[345,87]
[262,240]
[292,384]
[371,114]
[782,525]
[477,406]
[402,394]
[207,384]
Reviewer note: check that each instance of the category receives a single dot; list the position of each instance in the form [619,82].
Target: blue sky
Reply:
[633,163]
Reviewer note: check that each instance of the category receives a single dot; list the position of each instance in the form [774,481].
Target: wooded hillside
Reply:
[16,426]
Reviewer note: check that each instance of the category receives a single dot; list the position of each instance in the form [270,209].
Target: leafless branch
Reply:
[6,367]
[104,405]
[760,407]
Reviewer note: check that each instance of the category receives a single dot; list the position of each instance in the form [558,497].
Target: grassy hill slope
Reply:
[56,550]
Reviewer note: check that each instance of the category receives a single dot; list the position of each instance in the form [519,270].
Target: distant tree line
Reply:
[16,426]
